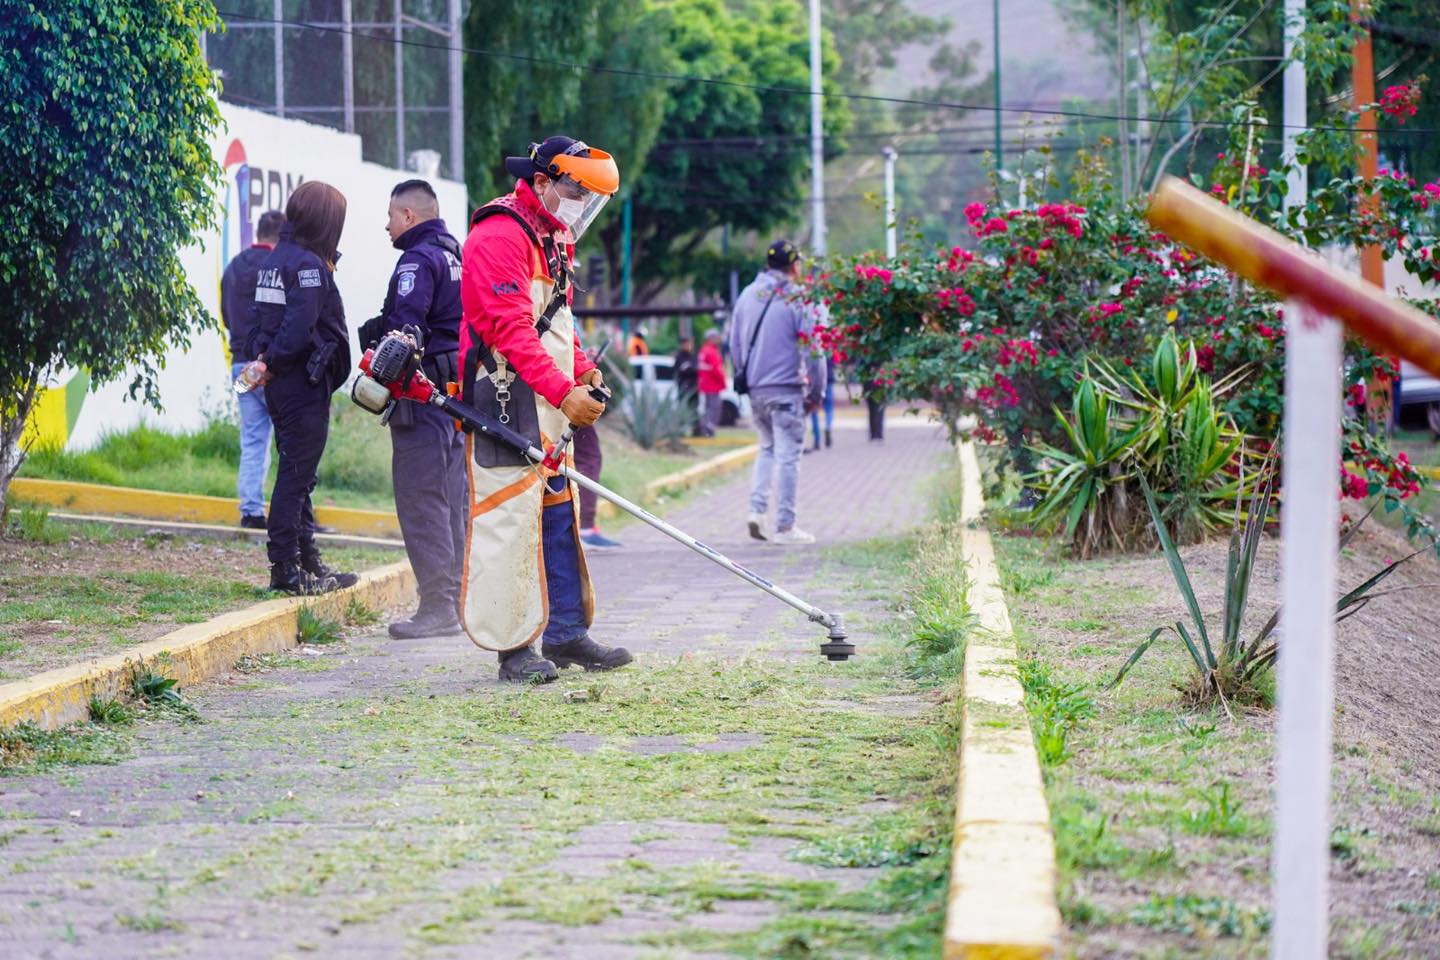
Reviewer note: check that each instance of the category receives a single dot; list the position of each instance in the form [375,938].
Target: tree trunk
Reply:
[14,414]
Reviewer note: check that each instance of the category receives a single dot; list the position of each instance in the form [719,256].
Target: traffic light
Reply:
[594,272]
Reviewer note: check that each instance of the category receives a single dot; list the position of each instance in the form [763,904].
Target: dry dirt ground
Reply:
[1163,814]
[91,591]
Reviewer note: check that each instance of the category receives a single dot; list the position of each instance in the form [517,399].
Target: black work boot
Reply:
[827,438]
[289,577]
[437,620]
[586,653]
[311,563]
[526,666]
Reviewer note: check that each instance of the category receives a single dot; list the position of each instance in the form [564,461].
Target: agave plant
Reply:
[1088,482]
[1228,666]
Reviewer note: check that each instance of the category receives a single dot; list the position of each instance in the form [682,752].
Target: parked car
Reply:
[657,372]
[1418,391]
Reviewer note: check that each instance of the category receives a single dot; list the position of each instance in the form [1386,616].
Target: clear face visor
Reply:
[578,207]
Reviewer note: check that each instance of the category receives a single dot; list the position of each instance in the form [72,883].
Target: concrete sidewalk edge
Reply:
[682,480]
[1001,902]
[193,653]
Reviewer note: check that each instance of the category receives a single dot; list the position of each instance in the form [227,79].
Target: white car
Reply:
[1419,389]
[657,372]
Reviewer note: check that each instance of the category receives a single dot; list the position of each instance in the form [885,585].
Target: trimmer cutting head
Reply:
[838,647]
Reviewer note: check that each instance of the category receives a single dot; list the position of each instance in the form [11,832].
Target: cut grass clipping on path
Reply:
[825,771]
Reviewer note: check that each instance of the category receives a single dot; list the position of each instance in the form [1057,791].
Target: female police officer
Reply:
[300,336]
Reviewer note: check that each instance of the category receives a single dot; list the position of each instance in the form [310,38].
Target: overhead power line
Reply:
[791,91]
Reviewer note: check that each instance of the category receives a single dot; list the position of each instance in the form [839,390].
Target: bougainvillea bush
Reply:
[997,332]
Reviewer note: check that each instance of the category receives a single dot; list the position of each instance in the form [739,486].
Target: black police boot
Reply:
[289,577]
[437,620]
[827,438]
[586,653]
[526,666]
[311,563]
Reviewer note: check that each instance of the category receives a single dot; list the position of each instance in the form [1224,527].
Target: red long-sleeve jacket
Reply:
[499,263]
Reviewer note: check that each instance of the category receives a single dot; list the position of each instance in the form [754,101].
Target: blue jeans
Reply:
[829,407]
[780,421]
[562,571]
[254,448]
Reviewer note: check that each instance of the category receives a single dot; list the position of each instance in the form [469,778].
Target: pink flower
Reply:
[975,211]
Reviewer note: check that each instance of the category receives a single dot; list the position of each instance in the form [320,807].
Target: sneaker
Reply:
[253,521]
[596,540]
[526,666]
[793,535]
[757,526]
[586,653]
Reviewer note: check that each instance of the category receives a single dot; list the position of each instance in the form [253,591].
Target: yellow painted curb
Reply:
[1002,873]
[190,507]
[192,653]
[687,478]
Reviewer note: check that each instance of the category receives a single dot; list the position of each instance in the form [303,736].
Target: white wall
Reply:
[279,153]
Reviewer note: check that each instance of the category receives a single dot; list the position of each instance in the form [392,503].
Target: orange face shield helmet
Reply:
[586,178]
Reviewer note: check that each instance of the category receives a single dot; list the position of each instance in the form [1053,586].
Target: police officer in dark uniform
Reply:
[427,460]
[302,349]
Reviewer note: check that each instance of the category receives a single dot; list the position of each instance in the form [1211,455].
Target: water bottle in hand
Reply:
[252,375]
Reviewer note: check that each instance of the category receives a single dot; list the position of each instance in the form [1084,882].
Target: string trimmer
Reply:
[390,372]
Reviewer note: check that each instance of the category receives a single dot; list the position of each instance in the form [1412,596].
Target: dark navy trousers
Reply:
[432,501]
[562,571]
[300,413]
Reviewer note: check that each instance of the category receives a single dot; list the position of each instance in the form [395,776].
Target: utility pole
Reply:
[1378,399]
[817,139]
[890,228]
[1123,138]
[626,219]
[347,63]
[457,96]
[999,152]
[279,14]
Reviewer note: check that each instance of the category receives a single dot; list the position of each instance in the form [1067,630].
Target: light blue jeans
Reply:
[780,421]
[254,448]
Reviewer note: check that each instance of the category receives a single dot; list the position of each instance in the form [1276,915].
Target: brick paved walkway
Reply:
[256,833]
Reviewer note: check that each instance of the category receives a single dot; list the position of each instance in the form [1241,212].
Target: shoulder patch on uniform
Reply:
[403,267]
[406,284]
[309,278]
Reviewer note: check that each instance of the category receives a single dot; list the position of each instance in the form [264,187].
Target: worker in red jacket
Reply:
[525,573]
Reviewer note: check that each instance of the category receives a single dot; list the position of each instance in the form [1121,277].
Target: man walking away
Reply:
[237,300]
[769,344]
[711,382]
[427,460]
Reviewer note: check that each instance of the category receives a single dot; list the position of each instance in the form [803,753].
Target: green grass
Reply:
[355,471]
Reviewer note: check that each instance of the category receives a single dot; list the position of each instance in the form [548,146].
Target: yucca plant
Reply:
[1087,483]
[1227,666]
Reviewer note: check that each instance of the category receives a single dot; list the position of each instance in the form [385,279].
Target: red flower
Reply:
[1401,101]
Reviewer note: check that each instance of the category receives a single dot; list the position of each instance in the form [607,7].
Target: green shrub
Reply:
[1229,667]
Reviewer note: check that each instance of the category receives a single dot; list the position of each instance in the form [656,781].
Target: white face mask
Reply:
[569,211]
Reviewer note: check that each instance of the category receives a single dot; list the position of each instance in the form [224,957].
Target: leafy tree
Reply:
[513,98]
[726,150]
[107,173]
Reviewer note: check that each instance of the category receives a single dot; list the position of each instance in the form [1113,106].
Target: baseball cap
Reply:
[781,254]
[541,156]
